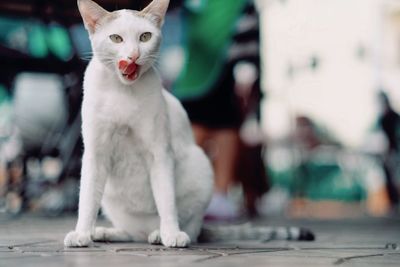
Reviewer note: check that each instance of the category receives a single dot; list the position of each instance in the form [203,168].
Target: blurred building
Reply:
[327,60]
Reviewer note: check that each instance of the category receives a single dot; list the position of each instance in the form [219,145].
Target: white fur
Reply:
[140,162]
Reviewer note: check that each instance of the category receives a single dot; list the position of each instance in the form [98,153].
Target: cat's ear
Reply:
[156,10]
[91,14]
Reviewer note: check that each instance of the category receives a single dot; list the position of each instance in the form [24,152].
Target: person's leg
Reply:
[222,146]
[201,134]
[226,142]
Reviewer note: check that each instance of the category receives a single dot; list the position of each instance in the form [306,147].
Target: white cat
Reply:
[140,159]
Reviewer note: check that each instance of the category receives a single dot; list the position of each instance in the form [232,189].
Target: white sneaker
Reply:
[221,208]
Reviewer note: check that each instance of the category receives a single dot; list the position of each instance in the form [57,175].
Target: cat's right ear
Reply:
[91,14]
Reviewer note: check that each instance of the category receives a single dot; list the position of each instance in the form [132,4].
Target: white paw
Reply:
[154,238]
[175,239]
[77,239]
[100,234]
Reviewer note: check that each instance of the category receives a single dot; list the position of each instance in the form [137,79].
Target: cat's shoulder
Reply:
[171,99]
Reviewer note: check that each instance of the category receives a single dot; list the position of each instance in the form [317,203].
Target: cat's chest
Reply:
[120,113]
[117,107]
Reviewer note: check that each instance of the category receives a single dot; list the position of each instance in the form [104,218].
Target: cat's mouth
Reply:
[129,71]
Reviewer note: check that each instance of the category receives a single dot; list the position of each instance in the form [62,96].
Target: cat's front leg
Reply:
[163,186]
[91,191]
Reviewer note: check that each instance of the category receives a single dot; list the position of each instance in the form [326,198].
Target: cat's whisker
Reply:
[86,57]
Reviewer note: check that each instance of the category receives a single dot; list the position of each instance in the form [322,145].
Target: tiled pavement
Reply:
[37,241]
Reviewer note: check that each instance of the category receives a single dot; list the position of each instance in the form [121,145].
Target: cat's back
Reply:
[179,120]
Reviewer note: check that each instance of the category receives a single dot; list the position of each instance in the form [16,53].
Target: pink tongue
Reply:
[127,68]
[130,69]
[122,64]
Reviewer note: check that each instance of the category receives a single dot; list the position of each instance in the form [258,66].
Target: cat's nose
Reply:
[133,57]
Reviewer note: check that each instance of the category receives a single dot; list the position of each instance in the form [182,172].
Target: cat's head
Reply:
[125,41]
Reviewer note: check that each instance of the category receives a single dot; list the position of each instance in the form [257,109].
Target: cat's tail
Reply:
[250,232]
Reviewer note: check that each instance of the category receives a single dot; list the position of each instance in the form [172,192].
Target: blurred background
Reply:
[294,101]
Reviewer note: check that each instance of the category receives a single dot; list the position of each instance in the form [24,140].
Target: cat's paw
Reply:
[77,239]
[154,238]
[175,239]
[100,234]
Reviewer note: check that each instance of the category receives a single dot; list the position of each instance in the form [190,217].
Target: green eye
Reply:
[145,36]
[116,38]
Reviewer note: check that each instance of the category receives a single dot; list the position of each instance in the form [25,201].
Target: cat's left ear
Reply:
[156,10]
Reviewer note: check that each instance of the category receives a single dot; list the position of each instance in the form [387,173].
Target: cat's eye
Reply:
[116,38]
[144,37]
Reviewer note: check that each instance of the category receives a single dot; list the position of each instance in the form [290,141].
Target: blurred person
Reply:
[389,121]
[219,88]
[306,134]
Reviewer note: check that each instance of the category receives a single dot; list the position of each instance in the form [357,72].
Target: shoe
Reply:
[221,208]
